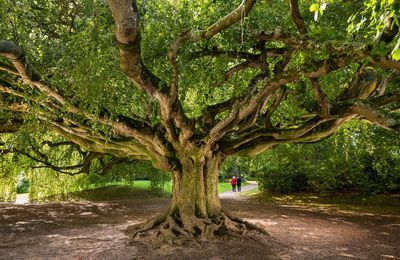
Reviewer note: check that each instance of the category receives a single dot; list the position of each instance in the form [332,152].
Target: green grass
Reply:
[225,186]
[252,192]
[222,186]
[115,191]
[374,204]
[118,192]
[140,189]
[144,184]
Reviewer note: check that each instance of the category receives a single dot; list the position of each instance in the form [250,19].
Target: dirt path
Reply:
[95,231]
[236,195]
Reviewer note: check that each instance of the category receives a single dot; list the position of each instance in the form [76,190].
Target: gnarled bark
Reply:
[195,211]
[194,149]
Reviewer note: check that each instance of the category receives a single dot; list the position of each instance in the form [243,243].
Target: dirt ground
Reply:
[95,231]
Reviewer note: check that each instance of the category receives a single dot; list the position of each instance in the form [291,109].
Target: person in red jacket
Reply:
[233,183]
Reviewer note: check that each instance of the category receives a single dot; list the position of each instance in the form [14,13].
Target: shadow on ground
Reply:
[95,230]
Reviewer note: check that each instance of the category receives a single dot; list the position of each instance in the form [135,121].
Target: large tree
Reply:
[206,80]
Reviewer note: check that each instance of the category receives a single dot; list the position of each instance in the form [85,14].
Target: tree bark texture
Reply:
[195,211]
[193,149]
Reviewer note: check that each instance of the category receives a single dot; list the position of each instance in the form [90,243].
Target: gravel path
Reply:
[236,195]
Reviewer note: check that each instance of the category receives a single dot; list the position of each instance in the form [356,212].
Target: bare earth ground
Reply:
[95,231]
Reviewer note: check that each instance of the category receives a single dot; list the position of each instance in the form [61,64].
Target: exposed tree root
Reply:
[169,227]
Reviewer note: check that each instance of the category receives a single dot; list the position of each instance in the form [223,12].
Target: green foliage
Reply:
[23,184]
[8,184]
[236,166]
[396,54]
[158,179]
[359,157]
[45,182]
[113,191]
[12,168]
[71,44]
[380,49]
[286,179]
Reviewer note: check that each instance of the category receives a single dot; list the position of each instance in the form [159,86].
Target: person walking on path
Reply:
[233,183]
[239,184]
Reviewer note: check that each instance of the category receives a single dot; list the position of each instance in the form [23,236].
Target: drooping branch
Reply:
[313,132]
[146,139]
[323,131]
[357,51]
[16,55]
[251,104]
[87,162]
[257,101]
[263,137]
[47,109]
[258,139]
[318,128]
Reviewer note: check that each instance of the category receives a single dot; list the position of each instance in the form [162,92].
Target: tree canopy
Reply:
[184,84]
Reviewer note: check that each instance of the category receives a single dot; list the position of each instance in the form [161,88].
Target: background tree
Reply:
[203,80]
[358,158]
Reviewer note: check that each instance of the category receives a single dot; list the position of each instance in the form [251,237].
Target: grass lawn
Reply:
[222,186]
[140,189]
[374,204]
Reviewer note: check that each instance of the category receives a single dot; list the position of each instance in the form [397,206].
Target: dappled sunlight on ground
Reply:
[84,230]
[323,233]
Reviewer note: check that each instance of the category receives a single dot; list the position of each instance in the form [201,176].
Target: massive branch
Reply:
[244,123]
[148,145]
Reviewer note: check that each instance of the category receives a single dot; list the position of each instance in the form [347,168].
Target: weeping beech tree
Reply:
[238,82]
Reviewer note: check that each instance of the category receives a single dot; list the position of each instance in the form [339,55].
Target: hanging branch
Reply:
[357,51]
[146,137]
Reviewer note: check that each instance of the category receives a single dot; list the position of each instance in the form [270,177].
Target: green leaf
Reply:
[396,54]
[380,50]
[314,7]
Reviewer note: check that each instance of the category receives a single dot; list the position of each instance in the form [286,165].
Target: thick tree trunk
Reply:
[195,211]
[195,193]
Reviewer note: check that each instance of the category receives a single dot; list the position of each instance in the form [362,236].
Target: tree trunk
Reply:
[195,193]
[195,211]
